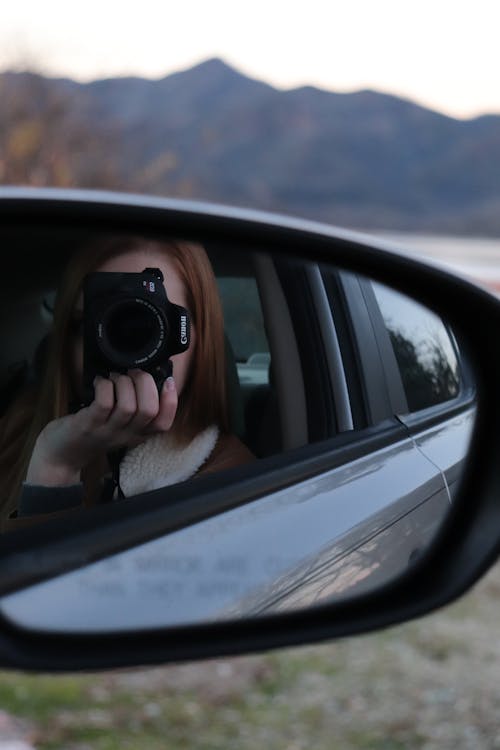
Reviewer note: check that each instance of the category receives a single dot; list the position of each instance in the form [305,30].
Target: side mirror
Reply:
[352,484]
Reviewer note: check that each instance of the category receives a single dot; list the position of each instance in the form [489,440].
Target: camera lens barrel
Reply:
[131,332]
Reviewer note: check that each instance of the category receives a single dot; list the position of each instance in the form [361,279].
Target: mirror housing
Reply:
[467,542]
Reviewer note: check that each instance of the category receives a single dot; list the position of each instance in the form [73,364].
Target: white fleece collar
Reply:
[160,461]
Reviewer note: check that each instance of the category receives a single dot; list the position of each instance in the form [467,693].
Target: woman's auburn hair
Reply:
[203,401]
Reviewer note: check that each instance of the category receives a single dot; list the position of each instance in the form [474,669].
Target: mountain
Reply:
[363,159]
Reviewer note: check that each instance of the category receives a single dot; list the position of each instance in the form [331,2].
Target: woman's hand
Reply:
[126,410]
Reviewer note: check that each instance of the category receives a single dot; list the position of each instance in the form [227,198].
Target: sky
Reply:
[444,54]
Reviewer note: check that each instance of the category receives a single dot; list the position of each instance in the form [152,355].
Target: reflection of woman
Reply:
[52,459]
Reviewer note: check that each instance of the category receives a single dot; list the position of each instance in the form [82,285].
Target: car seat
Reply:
[262,418]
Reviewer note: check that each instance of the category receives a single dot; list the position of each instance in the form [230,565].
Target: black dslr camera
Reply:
[130,323]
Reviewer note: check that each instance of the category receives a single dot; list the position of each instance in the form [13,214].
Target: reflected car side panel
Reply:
[225,565]
[446,444]
[390,550]
[335,574]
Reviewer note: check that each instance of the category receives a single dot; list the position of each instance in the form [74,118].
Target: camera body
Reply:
[130,323]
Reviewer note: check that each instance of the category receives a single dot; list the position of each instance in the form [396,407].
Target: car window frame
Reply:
[295,282]
[370,394]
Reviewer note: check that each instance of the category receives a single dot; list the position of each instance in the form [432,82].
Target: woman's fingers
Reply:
[125,407]
[128,408]
[98,412]
[155,411]
[168,407]
[148,405]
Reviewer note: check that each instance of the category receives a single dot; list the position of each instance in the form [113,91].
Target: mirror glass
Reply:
[132,365]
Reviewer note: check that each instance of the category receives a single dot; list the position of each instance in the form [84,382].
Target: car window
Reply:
[244,326]
[423,348]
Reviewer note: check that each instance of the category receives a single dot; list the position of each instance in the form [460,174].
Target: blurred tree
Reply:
[45,141]
[428,375]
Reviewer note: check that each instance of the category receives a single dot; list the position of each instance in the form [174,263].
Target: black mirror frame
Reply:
[468,542]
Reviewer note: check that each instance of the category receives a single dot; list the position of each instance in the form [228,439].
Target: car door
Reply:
[416,466]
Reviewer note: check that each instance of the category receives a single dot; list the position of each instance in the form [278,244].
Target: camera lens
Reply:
[132,332]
